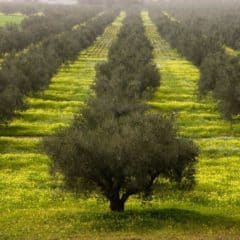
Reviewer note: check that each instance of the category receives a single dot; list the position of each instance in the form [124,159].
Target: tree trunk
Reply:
[117,205]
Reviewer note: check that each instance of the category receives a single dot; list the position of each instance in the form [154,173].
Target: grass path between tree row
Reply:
[27,191]
[218,175]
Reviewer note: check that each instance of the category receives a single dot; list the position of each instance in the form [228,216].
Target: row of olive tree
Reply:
[186,37]
[34,28]
[115,146]
[31,70]
[220,20]
[219,71]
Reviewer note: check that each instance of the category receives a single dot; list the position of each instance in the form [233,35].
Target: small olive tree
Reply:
[121,157]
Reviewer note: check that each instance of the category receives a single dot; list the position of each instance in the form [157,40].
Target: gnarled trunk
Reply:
[117,205]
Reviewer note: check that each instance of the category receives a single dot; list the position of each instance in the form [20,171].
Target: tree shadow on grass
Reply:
[156,219]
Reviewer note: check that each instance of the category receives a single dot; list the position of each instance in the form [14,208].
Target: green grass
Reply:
[231,51]
[4,19]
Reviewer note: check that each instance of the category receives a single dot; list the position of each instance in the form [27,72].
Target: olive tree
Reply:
[121,157]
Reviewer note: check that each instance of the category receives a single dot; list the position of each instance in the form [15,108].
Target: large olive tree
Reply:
[121,157]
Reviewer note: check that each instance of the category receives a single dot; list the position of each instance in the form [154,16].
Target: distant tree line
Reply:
[115,3]
[34,28]
[219,71]
[27,7]
[31,70]
[116,146]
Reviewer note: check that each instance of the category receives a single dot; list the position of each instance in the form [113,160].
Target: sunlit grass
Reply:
[11,145]
[231,52]
[4,19]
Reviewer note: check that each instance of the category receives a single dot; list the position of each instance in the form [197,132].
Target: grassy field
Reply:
[232,52]
[4,19]
[34,206]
